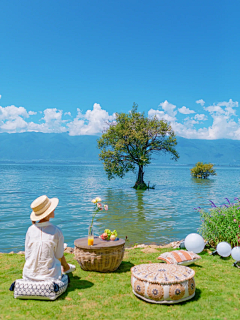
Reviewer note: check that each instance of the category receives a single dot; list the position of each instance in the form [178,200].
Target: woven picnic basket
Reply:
[101,257]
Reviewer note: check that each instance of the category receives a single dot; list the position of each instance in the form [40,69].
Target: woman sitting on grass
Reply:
[44,244]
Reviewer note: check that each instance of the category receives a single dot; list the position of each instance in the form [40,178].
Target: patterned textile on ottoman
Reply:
[41,290]
[181,257]
[163,283]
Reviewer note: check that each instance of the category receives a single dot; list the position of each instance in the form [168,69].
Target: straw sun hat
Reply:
[42,207]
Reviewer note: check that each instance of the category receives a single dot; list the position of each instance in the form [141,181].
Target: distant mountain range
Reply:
[51,147]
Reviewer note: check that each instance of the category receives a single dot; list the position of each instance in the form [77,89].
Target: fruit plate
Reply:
[109,240]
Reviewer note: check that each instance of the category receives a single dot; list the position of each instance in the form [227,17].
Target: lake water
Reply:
[153,216]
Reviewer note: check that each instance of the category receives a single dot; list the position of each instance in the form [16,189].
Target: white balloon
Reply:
[224,249]
[194,242]
[235,253]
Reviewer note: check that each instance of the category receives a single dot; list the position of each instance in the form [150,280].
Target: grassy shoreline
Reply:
[173,244]
[94,295]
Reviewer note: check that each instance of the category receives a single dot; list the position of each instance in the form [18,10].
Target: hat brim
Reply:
[54,203]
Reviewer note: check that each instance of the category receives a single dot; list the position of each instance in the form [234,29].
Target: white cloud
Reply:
[225,122]
[213,109]
[168,108]
[53,122]
[52,115]
[168,114]
[201,102]
[12,112]
[218,108]
[0,96]
[189,132]
[15,125]
[229,104]
[189,122]
[229,107]
[92,122]
[200,117]
[32,113]
[160,115]
[11,119]
[222,128]
[185,110]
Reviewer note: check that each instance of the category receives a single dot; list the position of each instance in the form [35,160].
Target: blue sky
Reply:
[68,66]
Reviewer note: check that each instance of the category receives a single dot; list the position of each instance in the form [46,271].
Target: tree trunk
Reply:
[140,184]
[140,174]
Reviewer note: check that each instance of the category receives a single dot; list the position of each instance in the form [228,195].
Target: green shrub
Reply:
[221,223]
[203,170]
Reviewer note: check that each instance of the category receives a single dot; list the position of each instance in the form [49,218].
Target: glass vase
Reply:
[90,236]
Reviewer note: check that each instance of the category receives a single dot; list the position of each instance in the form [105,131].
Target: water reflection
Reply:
[204,190]
[205,182]
[140,205]
[132,216]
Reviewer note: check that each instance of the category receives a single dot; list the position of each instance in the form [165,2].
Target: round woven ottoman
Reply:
[103,256]
[163,283]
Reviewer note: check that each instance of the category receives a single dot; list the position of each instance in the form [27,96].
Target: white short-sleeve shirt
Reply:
[44,245]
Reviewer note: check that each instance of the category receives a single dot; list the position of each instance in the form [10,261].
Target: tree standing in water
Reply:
[131,140]
[203,170]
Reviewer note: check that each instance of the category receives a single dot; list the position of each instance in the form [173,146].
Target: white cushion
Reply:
[40,290]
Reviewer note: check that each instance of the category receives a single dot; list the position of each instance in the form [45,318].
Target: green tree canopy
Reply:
[131,140]
[203,170]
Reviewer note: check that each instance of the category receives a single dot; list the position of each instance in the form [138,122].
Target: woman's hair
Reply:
[33,222]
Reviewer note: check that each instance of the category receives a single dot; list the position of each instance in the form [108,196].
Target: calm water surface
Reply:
[155,216]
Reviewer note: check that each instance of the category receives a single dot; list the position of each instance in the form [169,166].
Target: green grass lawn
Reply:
[93,295]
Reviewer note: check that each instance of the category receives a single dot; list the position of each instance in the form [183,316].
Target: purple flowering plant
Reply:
[221,223]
